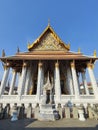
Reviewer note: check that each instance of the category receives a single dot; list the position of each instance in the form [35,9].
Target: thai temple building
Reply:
[48,73]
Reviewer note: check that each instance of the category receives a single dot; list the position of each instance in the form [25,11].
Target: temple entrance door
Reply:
[47,96]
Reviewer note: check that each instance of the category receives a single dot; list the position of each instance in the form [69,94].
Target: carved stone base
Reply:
[81,114]
[48,113]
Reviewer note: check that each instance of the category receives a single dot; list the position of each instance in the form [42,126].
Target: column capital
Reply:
[56,64]
[14,70]
[90,65]
[72,65]
[7,65]
[40,64]
[24,64]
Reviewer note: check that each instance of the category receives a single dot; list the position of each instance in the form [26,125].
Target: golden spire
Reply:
[3,53]
[79,50]
[48,22]
[28,44]
[95,54]
[68,45]
[18,50]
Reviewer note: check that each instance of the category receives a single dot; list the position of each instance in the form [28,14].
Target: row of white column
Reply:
[92,78]
[85,82]
[70,74]
[23,82]
[26,80]
[40,81]
[4,79]
[26,75]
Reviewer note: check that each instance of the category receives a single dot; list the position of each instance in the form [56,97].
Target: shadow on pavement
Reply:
[6,124]
[24,123]
[66,128]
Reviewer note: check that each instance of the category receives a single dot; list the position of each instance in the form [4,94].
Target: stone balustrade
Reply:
[87,97]
[15,98]
[84,99]
[8,97]
[67,97]
[30,98]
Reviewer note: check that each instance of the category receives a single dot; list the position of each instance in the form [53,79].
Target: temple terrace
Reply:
[45,81]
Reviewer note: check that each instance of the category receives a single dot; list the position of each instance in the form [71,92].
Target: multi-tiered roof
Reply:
[48,46]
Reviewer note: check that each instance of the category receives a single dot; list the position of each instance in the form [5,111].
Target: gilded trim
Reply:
[67,47]
[72,65]
[6,66]
[40,64]
[90,65]
[57,64]
[95,54]
[24,64]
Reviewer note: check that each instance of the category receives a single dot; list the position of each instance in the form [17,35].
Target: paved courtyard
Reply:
[66,124]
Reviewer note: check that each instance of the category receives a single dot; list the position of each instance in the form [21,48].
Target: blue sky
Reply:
[75,21]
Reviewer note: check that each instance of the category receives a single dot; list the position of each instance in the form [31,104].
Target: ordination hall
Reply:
[48,77]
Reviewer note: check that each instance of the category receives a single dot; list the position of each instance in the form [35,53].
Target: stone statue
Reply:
[29,111]
[37,110]
[14,113]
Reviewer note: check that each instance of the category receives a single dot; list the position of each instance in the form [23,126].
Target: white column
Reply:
[39,82]
[93,80]
[78,75]
[85,82]
[4,79]
[12,82]
[19,79]
[22,79]
[70,83]
[57,84]
[42,80]
[75,81]
[28,78]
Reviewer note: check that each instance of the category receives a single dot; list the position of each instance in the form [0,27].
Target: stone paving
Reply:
[66,124]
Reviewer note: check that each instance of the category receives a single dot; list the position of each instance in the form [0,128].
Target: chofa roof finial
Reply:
[79,50]
[3,53]
[48,22]
[95,54]
[18,50]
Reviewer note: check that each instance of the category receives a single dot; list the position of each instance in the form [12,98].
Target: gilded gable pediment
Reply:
[48,41]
